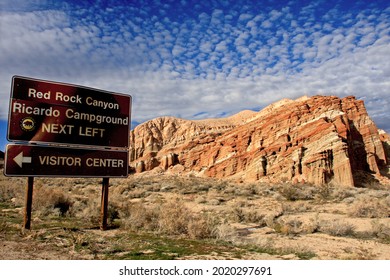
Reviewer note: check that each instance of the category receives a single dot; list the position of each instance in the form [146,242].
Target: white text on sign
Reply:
[68,129]
[76,161]
[77,99]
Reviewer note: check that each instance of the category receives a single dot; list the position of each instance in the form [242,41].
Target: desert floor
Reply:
[160,216]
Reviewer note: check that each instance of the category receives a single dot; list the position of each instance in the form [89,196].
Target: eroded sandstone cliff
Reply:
[318,140]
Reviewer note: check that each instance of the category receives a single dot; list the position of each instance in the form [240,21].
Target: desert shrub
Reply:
[90,212]
[252,215]
[221,185]
[381,231]
[201,199]
[6,193]
[48,201]
[78,206]
[9,192]
[359,253]
[289,192]
[137,193]
[225,232]
[296,207]
[4,227]
[325,191]
[312,225]
[387,201]
[294,225]
[246,190]
[214,201]
[137,216]
[370,208]
[112,214]
[246,215]
[237,214]
[336,228]
[373,185]
[230,190]
[198,228]
[291,226]
[342,193]
[173,217]
[203,226]
[297,192]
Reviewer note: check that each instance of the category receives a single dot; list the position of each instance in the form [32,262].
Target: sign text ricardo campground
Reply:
[42,111]
[66,117]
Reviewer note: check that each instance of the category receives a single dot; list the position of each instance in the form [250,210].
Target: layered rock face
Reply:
[317,140]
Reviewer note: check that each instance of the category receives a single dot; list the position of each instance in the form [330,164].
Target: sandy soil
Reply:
[342,224]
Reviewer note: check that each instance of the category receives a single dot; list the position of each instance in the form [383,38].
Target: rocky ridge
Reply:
[320,139]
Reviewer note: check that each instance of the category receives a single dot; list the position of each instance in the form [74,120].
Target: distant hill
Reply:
[1,155]
[317,140]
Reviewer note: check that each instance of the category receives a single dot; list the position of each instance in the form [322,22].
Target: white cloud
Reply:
[223,59]
[266,24]
[244,17]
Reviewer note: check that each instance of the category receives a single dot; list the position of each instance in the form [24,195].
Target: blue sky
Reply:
[202,59]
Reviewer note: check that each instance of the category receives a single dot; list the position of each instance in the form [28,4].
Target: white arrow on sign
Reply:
[20,159]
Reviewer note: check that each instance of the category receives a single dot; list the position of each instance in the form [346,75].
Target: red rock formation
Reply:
[318,140]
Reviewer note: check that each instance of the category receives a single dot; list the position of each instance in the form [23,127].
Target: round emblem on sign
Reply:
[28,124]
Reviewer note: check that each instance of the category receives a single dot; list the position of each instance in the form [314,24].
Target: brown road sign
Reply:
[51,112]
[53,161]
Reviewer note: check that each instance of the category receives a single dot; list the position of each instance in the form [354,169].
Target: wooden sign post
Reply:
[28,204]
[104,204]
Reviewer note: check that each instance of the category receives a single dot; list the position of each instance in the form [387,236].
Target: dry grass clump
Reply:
[297,192]
[295,224]
[225,232]
[6,193]
[171,217]
[205,225]
[246,191]
[296,207]
[288,226]
[132,190]
[136,216]
[370,208]
[325,191]
[381,231]
[251,214]
[336,228]
[51,201]
[359,253]
[5,227]
[291,225]
[374,185]
[87,210]
[9,192]
[342,193]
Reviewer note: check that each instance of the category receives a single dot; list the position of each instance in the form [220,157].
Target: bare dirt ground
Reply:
[157,216]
